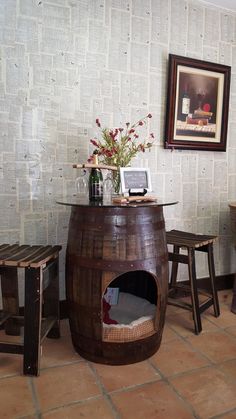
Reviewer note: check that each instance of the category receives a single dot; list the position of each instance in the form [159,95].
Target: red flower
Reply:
[149,115]
[109,153]
[94,142]
[131,131]
[152,135]
[98,122]
[140,123]
[113,134]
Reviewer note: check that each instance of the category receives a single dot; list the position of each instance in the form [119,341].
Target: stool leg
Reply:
[194,291]
[32,320]
[174,270]
[10,298]
[51,299]
[212,279]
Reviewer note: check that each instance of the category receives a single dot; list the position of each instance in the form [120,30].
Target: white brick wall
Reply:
[63,63]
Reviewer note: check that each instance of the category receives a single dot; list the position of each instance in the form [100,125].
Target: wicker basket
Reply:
[116,333]
[139,311]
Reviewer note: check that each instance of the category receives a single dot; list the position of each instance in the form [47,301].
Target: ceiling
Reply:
[225,4]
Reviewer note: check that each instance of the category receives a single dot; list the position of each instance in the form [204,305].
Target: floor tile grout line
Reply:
[34,392]
[222,415]
[230,334]
[34,397]
[181,374]
[196,350]
[104,391]
[190,371]
[166,380]
[133,387]
[185,339]
[71,404]
[227,377]
[203,316]
[213,322]
[220,329]
[63,364]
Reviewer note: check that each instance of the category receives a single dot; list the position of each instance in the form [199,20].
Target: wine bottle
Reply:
[95,182]
[185,104]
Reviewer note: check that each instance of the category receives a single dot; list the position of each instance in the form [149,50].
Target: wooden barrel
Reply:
[103,243]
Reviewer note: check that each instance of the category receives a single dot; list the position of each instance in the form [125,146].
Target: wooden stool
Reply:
[41,282]
[192,242]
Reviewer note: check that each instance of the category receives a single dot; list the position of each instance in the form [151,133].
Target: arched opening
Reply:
[129,307]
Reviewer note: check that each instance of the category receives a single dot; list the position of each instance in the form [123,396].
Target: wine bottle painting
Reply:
[197,104]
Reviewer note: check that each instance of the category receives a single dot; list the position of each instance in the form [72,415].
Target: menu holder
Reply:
[135,181]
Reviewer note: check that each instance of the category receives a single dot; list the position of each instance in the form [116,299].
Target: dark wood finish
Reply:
[105,243]
[10,298]
[170,141]
[233,224]
[12,348]
[41,282]
[192,242]
[117,353]
[51,308]
[33,317]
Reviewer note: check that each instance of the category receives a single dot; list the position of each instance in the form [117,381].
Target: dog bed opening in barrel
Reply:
[130,307]
[129,319]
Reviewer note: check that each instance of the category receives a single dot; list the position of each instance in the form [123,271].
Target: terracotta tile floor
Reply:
[189,377]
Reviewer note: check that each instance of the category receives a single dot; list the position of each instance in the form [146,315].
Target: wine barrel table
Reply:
[106,242]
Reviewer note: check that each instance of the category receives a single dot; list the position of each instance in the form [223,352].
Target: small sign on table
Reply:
[135,181]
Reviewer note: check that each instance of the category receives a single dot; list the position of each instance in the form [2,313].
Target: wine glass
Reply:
[82,184]
[107,188]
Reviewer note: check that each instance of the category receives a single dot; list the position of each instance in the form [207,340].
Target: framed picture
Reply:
[197,104]
[135,179]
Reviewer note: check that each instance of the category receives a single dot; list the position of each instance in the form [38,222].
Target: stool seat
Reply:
[189,240]
[41,306]
[27,256]
[192,243]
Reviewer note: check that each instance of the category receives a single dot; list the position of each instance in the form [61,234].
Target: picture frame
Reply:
[197,104]
[135,179]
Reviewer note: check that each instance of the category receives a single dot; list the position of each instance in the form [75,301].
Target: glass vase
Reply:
[116,181]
